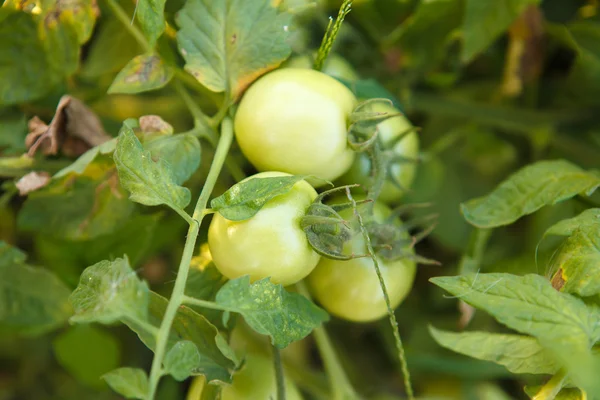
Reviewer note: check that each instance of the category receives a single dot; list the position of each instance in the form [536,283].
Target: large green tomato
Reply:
[256,380]
[403,172]
[351,290]
[295,121]
[334,66]
[271,243]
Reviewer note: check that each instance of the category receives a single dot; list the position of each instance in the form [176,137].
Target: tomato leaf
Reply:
[564,394]
[132,383]
[486,20]
[148,182]
[80,165]
[190,326]
[519,354]
[244,199]
[109,291]
[528,190]
[181,151]
[271,310]
[576,263]
[87,352]
[77,209]
[35,300]
[142,74]
[151,16]
[227,44]
[182,360]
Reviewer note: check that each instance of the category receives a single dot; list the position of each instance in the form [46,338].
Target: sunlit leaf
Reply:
[270,310]
[244,199]
[144,73]
[228,44]
[149,182]
[528,190]
[109,291]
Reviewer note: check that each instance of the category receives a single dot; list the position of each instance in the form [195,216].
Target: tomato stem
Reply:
[552,387]
[339,382]
[279,378]
[177,296]
[392,316]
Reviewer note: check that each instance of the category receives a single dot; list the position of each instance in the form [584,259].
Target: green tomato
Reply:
[350,289]
[256,380]
[403,172]
[295,121]
[334,66]
[271,243]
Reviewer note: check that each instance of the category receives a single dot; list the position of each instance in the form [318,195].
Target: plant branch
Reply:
[177,295]
[392,316]
[340,384]
[205,304]
[332,31]
[279,378]
[127,24]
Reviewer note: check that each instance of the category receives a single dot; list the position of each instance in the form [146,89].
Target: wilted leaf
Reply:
[34,301]
[270,310]
[485,20]
[228,44]
[182,360]
[519,354]
[132,383]
[32,182]
[87,352]
[109,291]
[528,190]
[244,199]
[74,127]
[144,73]
[150,183]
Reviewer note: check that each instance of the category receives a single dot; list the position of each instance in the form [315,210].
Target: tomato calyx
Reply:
[326,230]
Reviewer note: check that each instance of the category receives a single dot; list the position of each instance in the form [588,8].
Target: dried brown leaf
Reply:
[32,181]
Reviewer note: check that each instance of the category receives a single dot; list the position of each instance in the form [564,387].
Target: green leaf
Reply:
[519,354]
[13,128]
[529,304]
[149,183]
[34,300]
[132,383]
[588,220]
[181,151]
[270,310]
[228,44]
[87,352]
[244,199]
[486,20]
[80,165]
[190,326]
[109,291]
[142,74]
[77,209]
[182,360]
[528,190]
[564,394]
[151,16]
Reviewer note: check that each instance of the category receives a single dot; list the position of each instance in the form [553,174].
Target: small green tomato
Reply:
[296,121]
[404,171]
[350,289]
[271,243]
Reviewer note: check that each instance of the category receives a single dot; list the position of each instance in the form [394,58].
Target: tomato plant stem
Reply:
[177,295]
[552,387]
[339,382]
[392,316]
[279,378]
[128,24]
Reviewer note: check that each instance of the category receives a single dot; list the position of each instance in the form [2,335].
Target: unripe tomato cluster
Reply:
[295,121]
